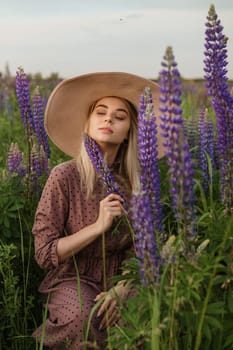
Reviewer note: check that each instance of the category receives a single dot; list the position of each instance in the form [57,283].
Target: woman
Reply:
[75,217]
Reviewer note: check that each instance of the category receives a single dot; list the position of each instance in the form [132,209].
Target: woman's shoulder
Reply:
[66,167]
[65,170]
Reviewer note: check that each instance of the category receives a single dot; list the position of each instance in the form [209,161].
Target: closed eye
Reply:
[119,117]
[100,111]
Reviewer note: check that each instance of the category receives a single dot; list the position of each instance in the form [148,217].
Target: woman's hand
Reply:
[110,208]
[109,309]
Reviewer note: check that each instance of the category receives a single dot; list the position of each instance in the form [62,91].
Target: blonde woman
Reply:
[75,216]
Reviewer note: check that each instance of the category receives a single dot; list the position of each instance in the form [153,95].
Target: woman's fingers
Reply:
[110,207]
[117,200]
[109,319]
[111,202]
[99,296]
[110,316]
[108,310]
[105,305]
[113,205]
[113,196]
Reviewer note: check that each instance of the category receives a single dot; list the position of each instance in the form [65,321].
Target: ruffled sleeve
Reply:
[50,218]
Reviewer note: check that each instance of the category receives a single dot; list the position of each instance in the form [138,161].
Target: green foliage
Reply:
[19,274]
[10,301]
[16,318]
[12,201]
[193,303]
[192,308]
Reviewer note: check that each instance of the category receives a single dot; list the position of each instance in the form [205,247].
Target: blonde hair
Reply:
[127,155]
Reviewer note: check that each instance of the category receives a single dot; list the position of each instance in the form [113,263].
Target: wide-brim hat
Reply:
[69,103]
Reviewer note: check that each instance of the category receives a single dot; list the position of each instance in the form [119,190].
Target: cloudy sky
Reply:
[73,37]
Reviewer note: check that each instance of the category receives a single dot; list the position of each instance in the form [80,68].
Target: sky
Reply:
[72,37]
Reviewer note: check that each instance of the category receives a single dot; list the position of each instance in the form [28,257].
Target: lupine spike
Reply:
[7,103]
[206,147]
[222,101]
[38,116]
[146,205]
[145,239]
[36,166]
[15,161]
[36,163]
[176,146]
[23,96]
[148,156]
[96,156]
[191,134]
[44,161]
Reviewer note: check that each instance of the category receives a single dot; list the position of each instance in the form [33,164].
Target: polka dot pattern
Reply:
[69,313]
[63,209]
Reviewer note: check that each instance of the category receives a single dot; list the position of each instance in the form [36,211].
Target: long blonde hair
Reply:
[127,155]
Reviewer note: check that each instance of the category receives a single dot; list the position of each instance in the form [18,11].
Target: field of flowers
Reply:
[182,213]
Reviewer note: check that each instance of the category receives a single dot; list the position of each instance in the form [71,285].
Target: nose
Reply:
[108,119]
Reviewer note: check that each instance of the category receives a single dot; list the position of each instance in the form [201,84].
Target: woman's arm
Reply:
[51,247]
[109,208]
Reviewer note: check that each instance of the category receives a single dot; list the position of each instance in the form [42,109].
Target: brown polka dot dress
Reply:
[72,286]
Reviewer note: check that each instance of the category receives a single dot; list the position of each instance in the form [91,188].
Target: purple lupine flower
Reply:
[211,141]
[148,156]
[16,161]
[23,96]
[222,101]
[170,92]
[37,168]
[38,117]
[206,147]
[36,165]
[145,239]
[191,134]
[103,170]
[176,145]
[44,161]
[145,204]
[7,103]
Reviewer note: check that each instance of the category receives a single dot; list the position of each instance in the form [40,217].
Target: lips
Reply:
[106,130]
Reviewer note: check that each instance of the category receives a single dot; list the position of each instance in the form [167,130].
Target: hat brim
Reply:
[68,105]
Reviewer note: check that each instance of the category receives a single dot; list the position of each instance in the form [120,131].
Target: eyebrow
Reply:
[118,109]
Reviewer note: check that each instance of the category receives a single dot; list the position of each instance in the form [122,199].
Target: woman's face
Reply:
[109,122]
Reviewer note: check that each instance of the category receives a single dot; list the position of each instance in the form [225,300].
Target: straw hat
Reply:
[69,103]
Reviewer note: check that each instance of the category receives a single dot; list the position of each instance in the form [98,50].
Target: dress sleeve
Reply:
[50,218]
